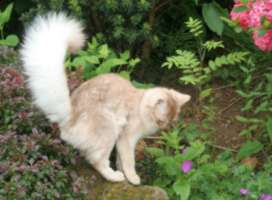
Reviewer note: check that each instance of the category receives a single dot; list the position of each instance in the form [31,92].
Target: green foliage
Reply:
[249,148]
[257,94]
[193,68]
[36,7]
[229,59]
[212,13]
[100,59]
[269,127]
[127,25]
[212,45]
[123,23]
[195,27]
[10,40]
[209,177]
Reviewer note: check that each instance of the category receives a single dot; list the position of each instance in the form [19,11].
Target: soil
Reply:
[226,105]
[227,129]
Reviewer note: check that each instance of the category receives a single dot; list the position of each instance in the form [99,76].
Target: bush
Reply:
[190,171]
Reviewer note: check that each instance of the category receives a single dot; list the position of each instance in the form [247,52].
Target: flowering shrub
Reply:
[255,16]
[34,164]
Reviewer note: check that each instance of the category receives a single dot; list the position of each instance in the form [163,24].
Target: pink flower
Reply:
[266,197]
[186,166]
[244,192]
[260,9]
[263,42]
[241,17]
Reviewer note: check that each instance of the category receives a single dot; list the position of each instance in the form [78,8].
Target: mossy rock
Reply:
[100,189]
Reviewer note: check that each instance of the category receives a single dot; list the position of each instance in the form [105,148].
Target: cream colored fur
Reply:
[104,111]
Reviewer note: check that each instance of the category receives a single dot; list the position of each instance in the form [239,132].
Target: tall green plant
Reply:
[195,68]
[10,40]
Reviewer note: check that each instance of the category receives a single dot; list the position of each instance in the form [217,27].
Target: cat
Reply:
[103,112]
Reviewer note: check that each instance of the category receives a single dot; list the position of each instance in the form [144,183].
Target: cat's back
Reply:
[103,88]
[107,83]
[109,80]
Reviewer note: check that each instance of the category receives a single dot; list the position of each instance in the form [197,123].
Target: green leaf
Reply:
[125,74]
[11,40]
[182,188]
[212,44]
[154,151]
[269,84]
[269,127]
[104,51]
[169,164]
[195,150]
[107,66]
[92,59]
[244,1]
[133,62]
[239,9]
[212,65]
[249,148]
[262,32]
[125,55]
[190,79]
[243,94]
[248,105]
[5,15]
[263,107]
[80,61]
[172,139]
[205,93]
[211,14]
[142,85]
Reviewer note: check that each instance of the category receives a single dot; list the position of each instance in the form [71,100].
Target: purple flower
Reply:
[266,197]
[186,166]
[244,192]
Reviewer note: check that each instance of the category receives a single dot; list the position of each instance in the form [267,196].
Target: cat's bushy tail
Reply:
[43,54]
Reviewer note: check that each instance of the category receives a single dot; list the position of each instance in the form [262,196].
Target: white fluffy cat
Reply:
[104,111]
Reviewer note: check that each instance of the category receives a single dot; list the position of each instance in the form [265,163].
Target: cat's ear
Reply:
[180,97]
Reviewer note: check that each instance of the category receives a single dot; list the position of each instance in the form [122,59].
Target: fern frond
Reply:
[229,59]
[183,60]
[195,26]
[212,44]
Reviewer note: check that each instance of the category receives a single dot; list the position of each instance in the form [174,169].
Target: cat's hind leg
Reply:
[103,141]
[99,159]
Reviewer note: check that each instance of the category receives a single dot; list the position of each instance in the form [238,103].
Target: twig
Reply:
[230,105]
[223,87]
[153,138]
[221,147]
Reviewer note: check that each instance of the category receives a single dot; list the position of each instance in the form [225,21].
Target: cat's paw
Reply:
[116,176]
[134,179]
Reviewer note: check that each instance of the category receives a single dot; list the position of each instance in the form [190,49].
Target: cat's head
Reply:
[164,105]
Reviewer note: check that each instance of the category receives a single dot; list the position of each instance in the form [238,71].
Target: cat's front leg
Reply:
[126,157]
